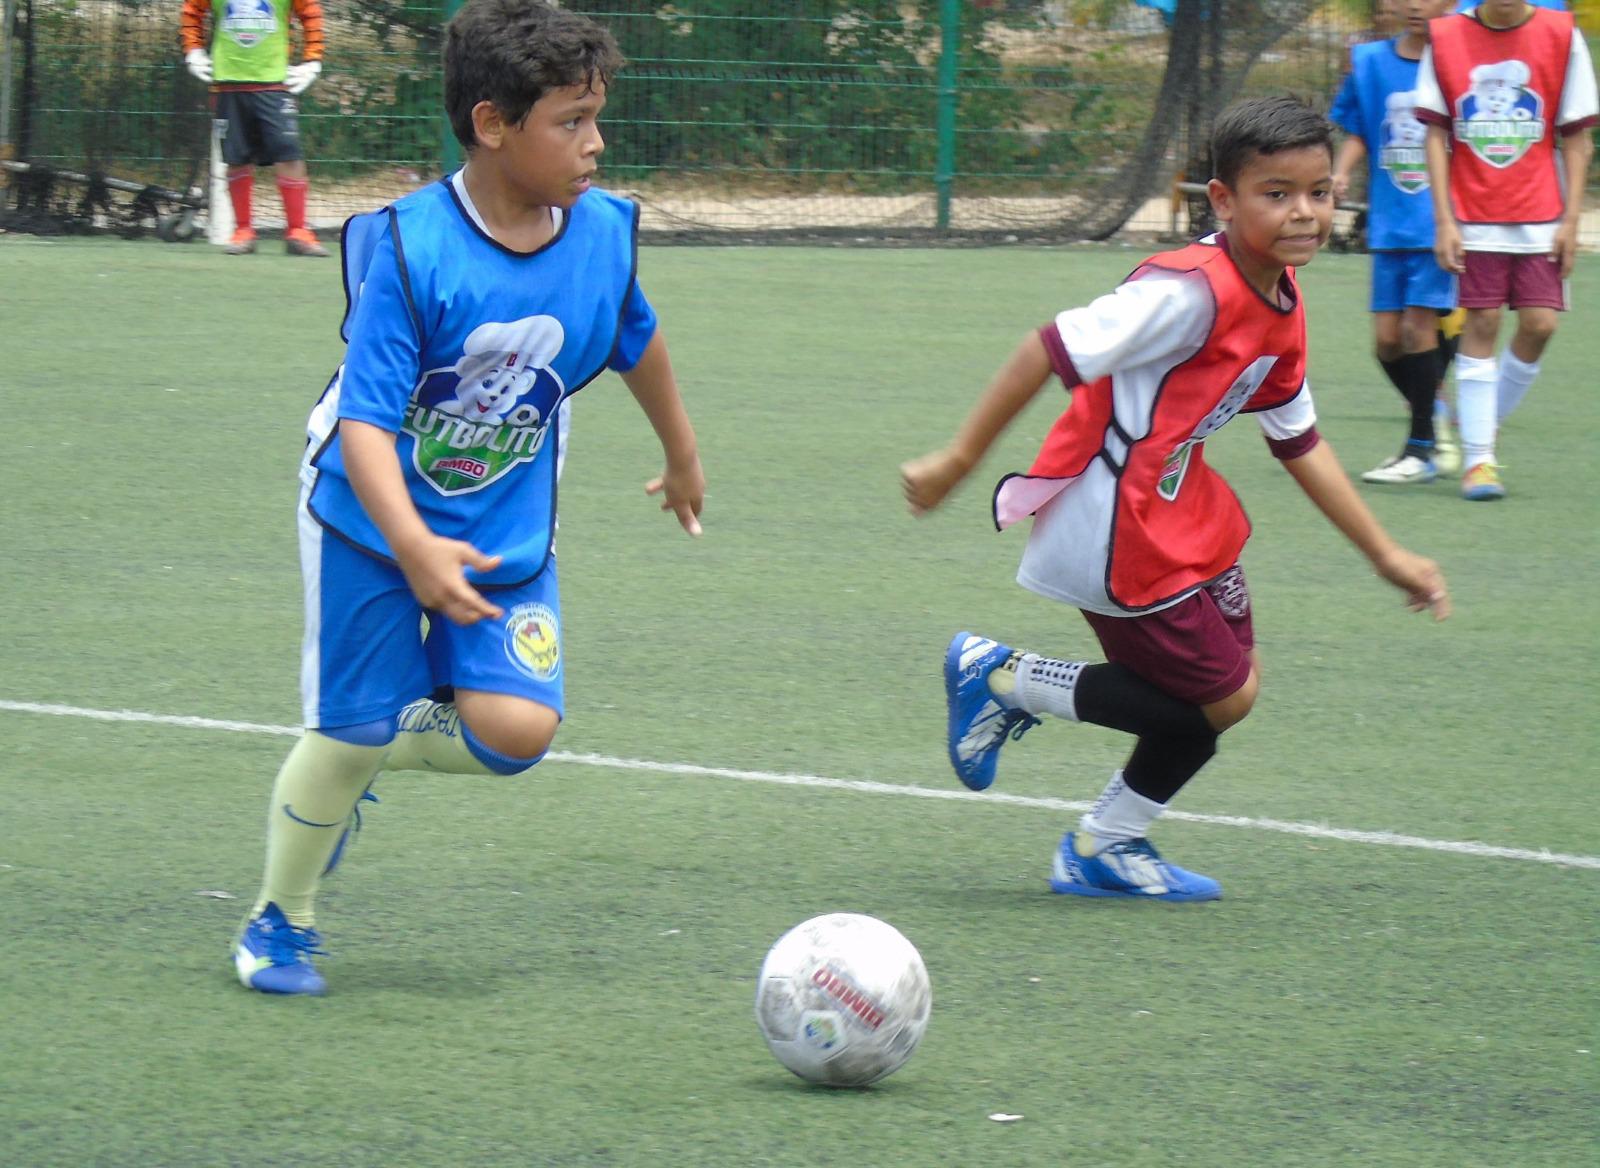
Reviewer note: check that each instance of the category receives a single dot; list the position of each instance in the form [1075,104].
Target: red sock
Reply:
[239,188]
[294,191]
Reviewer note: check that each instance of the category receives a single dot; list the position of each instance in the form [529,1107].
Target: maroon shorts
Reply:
[1522,280]
[1198,650]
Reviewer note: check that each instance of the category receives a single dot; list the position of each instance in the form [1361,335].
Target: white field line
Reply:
[1315,831]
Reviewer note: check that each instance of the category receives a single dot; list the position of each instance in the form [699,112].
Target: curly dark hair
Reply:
[1264,125]
[513,52]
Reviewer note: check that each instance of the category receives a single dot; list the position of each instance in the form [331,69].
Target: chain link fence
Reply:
[873,120]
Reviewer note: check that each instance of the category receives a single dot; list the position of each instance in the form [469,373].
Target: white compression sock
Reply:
[1120,813]
[1046,685]
[312,798]
[1476,379]
[1516,378]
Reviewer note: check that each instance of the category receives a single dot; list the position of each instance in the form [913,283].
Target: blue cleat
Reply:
[354,825]
[978,725]
[1129,868]
[274,956]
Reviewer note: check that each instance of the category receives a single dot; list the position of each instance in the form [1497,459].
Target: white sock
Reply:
[1516,378]
[1476,379]
[1046,686]
[1120,813]
[312,798]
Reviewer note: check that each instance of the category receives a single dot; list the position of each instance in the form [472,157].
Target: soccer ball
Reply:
[843,999]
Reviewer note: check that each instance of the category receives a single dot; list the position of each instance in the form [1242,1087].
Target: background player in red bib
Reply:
[1498,85]
[1130,524]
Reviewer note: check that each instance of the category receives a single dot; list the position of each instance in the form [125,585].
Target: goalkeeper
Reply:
[253,91]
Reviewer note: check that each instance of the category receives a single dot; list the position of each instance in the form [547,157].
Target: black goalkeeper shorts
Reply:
[259,126]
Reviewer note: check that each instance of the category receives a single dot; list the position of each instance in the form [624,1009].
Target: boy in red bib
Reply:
[1132,526]
[1498,85]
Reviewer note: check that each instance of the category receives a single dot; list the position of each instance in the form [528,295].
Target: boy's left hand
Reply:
[927,480]
[682,490]
[1419,578]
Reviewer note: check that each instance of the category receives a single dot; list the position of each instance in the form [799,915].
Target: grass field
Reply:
[559,970]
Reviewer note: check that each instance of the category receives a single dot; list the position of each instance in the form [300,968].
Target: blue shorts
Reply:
[1410,279]
[368,650]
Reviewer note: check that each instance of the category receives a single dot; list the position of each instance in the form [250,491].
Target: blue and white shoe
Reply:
[350,828]
[978,725]
[274,957]
[1129,868]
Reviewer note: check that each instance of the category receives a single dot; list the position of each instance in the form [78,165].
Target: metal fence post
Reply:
[944,169]
[449,148]
[10,18]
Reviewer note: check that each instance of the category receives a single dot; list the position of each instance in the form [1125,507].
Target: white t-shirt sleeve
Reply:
[1292,419]
[1578,98]
[1427,95]
[1147,319]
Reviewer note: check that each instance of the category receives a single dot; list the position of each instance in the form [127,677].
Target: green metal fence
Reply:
[735,119]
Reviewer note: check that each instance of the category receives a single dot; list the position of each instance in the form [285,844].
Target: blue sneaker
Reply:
[274,956]
[349,828]
[979,725]
[1129,868]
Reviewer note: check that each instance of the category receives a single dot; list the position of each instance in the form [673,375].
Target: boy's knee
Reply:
[1537,327]
[1482,327]
[511,746]
[509,728]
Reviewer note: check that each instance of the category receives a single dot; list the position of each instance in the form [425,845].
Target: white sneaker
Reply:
[1402,468]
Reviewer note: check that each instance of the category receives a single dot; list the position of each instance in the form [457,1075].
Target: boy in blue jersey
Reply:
[1409,288]
[477,307]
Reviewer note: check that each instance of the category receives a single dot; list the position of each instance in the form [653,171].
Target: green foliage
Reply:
[846,91]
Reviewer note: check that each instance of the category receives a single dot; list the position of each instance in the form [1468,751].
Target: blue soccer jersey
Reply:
[466,351]
[1376,104]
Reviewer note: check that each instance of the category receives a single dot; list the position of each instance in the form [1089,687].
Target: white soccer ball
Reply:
[843,999]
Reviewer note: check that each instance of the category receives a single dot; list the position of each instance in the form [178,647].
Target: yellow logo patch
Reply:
[533,641]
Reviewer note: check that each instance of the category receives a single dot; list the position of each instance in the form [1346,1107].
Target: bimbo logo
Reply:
[471,468]
[833,983]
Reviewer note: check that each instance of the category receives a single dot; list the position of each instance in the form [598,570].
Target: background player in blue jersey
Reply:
[1409,288]
[477,307]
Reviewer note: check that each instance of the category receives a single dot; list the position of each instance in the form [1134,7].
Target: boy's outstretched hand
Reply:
[1419,578]
[927,480]
[683,491]
[434,567]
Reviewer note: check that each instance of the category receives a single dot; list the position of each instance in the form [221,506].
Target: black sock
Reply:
[1391,370]
[1114,695]
[1418,376]
[1159,767]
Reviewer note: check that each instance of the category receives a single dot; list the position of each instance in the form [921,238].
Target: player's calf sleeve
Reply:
[1476,407]
[1159,767]
[1516,378]
[432,737]
[312,798]
[1105,694]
